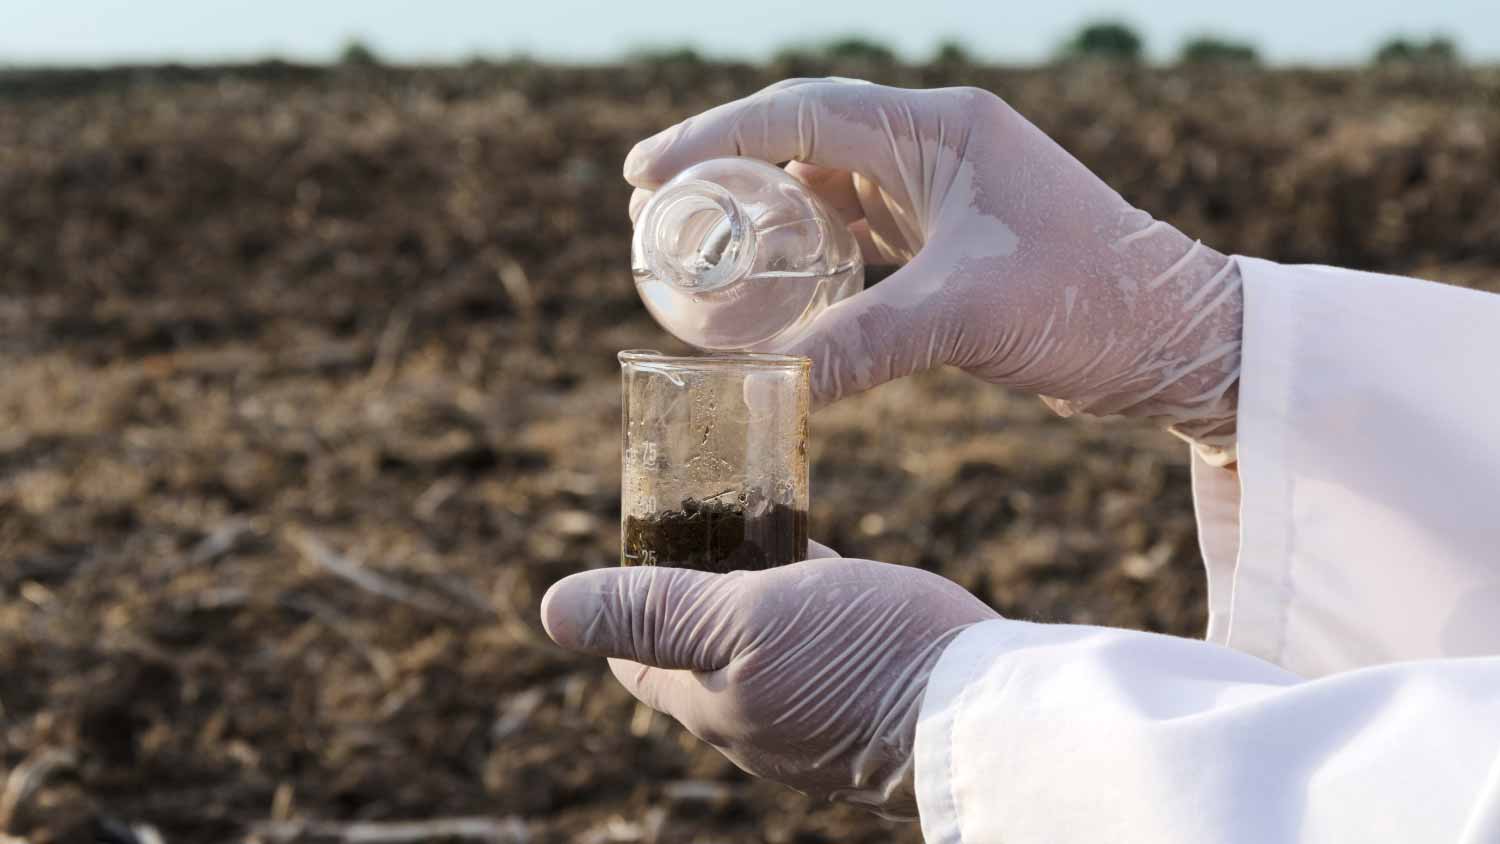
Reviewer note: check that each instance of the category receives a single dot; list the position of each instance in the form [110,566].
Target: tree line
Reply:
[1109,40]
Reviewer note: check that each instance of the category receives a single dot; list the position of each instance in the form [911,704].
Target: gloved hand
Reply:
[1022,267]
[810,674]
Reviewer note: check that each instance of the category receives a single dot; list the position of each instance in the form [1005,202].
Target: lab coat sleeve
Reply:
[1353,561]
[1364,523]
[1061,734]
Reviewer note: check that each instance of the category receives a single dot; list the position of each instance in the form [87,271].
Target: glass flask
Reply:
[736,254]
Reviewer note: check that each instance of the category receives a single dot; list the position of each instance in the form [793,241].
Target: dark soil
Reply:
[308,391]
[719,534]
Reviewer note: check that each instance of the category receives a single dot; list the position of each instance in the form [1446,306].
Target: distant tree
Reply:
[1112,40]
[357,53]
[855,48]
[796,54]
[952,53]
[278,68]
[1437,50]
[797,60]
[679,56]
[1443,48]
[1208,48]
[1395,50]
[820,59]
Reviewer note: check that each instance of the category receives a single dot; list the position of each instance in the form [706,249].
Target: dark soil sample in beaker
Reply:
[719,534]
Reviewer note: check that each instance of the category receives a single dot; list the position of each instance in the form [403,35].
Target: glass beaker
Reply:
[714,469]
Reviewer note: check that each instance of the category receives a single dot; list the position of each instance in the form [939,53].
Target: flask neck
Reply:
[697,237]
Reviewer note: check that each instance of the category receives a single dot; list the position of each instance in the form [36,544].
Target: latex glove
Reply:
[810,674]
[1025,269]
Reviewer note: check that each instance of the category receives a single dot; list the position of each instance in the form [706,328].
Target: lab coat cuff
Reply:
[1243,524]
[1274,334]
[967,659]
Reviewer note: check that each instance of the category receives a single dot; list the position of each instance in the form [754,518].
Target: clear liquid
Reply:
[737,255]
[760,313]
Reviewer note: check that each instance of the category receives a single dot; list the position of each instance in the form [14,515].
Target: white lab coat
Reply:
[1349,690]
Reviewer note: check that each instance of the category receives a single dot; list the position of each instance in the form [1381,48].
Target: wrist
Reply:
[1185,308]
[1200,398]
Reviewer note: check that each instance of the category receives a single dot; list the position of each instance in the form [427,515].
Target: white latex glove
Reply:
[810,674]
[1025,269]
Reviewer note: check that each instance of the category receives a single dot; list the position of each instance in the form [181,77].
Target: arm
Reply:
[1061,733]
[1367,461]
[1360,527]
[1361,408]
[894,689]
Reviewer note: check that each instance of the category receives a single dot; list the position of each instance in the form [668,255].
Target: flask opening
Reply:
[699,238]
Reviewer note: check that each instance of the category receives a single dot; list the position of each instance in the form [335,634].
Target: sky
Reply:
[1287,31]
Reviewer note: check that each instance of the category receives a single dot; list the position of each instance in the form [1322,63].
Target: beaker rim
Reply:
[716,360]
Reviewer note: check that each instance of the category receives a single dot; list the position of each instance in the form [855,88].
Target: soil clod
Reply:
[718,534]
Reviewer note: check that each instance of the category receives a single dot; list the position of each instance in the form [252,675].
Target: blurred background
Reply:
[308,315]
